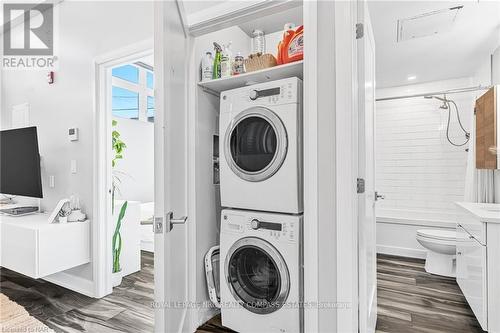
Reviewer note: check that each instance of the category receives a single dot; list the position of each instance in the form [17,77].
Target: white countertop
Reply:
[485,212]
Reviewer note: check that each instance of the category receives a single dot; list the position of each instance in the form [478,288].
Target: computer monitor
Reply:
[20,163]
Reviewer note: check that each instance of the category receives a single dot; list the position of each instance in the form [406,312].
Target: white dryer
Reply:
[261,271]
[261,147]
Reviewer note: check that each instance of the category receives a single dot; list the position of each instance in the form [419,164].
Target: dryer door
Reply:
[255,144]
[257,275]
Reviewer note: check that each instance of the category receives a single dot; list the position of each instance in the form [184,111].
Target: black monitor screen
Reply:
[20,163]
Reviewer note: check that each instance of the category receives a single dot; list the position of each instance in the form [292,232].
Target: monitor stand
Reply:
[19,211]
[5,200]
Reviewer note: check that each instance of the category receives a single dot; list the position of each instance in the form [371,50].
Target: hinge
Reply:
[360,185]
[474,111]
[360,30]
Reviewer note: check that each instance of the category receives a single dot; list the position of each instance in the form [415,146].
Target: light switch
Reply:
[73,166]
[52,182]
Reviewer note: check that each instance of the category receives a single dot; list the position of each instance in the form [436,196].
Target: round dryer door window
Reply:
[256,144]
[257,275]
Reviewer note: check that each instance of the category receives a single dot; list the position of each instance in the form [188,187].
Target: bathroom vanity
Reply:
[478,260]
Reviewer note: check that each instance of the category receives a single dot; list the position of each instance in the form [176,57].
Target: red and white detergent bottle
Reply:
[291,48]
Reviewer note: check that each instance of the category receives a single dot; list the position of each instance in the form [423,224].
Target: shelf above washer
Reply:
[263,75]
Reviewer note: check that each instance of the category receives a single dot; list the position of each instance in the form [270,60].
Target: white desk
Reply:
[32,246]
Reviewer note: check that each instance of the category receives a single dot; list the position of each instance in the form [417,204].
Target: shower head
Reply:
[442,99]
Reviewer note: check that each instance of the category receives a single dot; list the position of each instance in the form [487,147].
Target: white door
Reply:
[366,219]
[171,48]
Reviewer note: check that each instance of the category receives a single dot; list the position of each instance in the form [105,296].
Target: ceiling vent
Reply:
[427,24]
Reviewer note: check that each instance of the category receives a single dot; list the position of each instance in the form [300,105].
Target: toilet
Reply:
[441,248]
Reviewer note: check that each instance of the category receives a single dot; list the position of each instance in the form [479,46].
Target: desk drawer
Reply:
[44,251]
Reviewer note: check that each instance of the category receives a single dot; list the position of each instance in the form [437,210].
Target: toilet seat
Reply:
[439,234]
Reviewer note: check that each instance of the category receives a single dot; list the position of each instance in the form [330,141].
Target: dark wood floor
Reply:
[412,300]
[127,309]
[409,300]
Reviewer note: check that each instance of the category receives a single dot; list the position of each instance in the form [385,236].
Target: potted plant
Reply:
[118,147]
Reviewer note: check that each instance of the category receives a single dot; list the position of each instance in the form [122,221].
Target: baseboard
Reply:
[148,246]
[75,283]
[402,251]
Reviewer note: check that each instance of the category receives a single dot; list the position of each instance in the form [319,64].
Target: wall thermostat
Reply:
[73,134]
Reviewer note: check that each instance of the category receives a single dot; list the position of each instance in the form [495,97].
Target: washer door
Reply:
[255,144]
[257,275]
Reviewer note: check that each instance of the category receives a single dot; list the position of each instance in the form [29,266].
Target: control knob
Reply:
[254,94]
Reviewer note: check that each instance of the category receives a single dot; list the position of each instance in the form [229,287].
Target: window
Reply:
[132,92]
[151,109]
[125,103]
[128,73]
[150,80]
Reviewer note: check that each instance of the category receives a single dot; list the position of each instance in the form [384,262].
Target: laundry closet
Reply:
[247,148]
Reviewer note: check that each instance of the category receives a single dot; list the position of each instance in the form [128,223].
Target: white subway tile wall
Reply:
[417,168]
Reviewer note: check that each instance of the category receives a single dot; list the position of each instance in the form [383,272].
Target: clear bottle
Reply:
[258,42]
[226,62]
[207,67]
[238,64]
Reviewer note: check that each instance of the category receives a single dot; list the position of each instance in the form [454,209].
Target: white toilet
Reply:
[441,248]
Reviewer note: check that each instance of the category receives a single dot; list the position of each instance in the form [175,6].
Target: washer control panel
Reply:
[276,228]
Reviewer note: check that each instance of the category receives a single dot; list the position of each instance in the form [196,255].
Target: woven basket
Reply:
[255,62]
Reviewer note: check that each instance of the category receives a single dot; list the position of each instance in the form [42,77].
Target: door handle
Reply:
[379,196]
[171,221]
[148,222]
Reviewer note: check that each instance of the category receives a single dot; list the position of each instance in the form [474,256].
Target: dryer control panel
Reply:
[278,92]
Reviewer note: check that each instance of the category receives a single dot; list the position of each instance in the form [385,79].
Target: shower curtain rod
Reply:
[447,92]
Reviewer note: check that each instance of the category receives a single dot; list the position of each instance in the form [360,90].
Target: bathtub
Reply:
[396,230]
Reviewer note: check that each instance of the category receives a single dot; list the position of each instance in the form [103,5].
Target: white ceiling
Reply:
[457,52]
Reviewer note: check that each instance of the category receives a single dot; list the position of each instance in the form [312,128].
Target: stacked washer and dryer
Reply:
[261,255]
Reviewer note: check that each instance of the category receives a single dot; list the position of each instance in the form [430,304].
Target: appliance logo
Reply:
[29,33]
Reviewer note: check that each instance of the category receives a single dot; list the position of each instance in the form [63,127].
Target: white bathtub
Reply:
[396,230]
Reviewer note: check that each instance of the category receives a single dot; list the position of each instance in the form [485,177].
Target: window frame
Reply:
[141,88]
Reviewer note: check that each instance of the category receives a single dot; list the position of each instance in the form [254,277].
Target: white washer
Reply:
[261,147]
[261,269]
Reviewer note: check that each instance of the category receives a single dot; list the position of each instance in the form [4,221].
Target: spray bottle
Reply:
[226,65]
[217,61]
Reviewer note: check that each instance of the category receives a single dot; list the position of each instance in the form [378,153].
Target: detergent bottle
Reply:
[291,48]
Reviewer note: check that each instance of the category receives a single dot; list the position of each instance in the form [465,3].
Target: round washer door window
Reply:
[256,144]
[257,275]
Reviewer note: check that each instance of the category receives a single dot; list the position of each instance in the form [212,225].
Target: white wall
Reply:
[420,173]
[136,169]
[86,30]
[417,168]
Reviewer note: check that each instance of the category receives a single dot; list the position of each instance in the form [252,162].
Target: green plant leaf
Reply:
[117,238]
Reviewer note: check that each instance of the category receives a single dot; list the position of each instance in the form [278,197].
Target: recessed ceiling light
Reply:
[411,77]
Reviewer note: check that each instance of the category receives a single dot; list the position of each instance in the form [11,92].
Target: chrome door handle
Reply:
[148,222]
[171,220]
[379,196]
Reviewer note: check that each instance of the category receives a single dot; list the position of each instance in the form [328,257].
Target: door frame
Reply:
[330,158]
[102,173]
[330,167]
